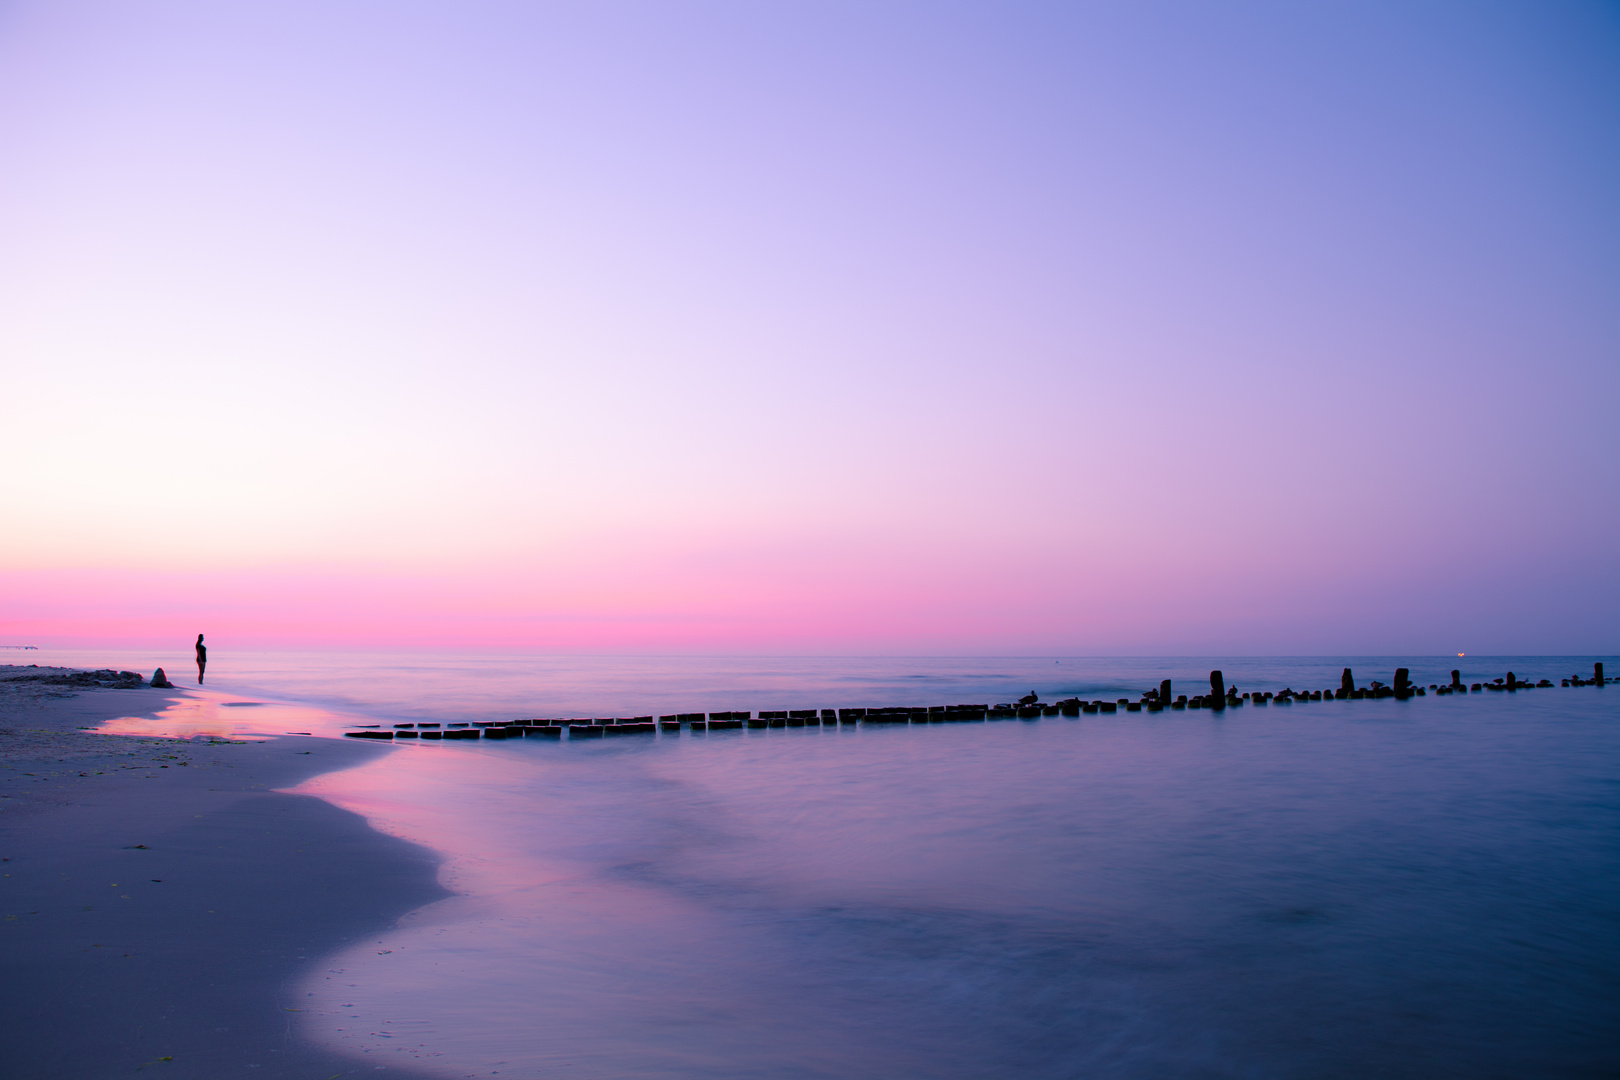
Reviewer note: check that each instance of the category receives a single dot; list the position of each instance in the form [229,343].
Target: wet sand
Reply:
[160,898]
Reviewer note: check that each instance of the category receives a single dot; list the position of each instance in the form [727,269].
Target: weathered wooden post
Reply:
[1164,691]
[1456,679]
[1597,673]
[1403,683]
[1512,682]
[1217,691]
[1347,682]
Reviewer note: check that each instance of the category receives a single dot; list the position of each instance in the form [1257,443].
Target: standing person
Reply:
[202,658]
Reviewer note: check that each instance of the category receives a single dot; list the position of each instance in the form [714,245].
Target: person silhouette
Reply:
[202,658]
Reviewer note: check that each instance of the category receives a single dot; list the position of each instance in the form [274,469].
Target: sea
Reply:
[1373,888]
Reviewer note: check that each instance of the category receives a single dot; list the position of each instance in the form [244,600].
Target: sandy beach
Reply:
[159,896]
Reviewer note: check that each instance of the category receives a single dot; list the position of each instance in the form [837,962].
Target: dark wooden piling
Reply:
[1456,679]
[1217,691]
[1347,682]
[1597,674]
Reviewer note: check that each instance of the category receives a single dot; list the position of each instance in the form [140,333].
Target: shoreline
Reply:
[161,899]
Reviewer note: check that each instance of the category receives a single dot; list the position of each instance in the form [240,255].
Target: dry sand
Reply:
[159,898]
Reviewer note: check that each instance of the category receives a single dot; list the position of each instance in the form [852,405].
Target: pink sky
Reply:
[819,329]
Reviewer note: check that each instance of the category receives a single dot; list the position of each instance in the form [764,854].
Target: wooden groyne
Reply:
[1219,698]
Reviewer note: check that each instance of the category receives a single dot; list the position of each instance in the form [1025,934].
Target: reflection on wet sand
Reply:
[202,714]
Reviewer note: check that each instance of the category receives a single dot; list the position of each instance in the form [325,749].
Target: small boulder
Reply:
[161,681]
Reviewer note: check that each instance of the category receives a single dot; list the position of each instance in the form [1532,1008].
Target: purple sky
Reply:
[1114,328]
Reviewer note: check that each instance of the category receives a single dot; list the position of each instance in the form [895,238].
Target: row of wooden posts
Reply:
[1220,697]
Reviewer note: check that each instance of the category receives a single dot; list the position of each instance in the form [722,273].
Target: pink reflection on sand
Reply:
[205,713]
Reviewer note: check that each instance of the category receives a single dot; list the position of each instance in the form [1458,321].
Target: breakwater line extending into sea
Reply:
[1219,698]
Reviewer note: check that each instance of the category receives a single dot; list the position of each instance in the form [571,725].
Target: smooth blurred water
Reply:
[1428,888]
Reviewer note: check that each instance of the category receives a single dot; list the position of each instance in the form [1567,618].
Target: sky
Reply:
[824,328]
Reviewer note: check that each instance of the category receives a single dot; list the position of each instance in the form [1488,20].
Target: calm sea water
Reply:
[1427,888]
[411,686]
